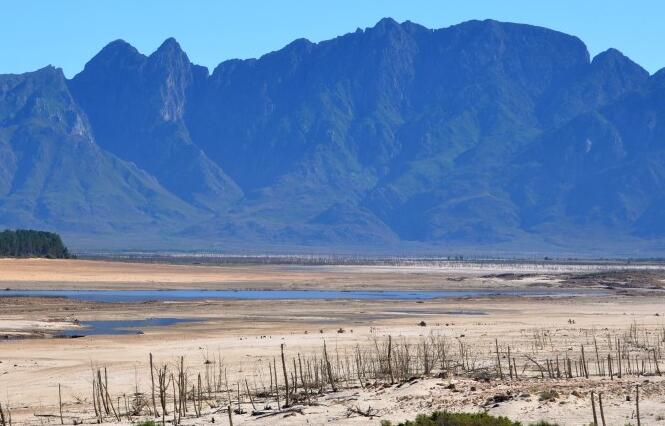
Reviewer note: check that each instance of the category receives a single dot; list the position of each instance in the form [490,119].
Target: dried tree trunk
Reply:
[329,368]
[593,409]
[304,382]
[62,422]
[637,404]
[600,405]
[498,359]
[286,378]
[152,381]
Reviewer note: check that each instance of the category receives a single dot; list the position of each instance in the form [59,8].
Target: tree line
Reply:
[31,243]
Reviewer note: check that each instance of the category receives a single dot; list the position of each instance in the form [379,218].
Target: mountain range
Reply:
[487,136]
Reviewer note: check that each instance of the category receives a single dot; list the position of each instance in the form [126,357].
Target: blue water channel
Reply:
[140,296]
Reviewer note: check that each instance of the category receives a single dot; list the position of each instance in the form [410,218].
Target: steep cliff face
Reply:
[54,175]
[136,105]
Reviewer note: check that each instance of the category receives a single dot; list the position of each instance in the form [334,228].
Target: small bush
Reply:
[548,395]
[146,423]
[445,418]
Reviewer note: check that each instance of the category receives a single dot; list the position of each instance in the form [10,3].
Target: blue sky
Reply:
[67,33]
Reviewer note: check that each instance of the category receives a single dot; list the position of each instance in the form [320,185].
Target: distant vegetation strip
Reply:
[453,262]
[31,243]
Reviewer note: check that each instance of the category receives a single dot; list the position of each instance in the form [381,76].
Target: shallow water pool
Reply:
[139,296]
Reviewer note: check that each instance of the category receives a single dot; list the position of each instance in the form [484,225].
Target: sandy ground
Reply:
[88,274]
[247,334]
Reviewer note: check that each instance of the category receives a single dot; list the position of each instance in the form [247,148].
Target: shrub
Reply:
[146,423]
[548,395]
[445,418]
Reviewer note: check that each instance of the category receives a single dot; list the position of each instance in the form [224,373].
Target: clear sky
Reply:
[67,33]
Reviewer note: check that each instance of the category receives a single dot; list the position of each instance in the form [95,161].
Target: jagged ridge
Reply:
[484,133]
